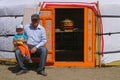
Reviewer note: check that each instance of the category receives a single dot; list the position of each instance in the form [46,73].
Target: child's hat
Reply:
[19,26]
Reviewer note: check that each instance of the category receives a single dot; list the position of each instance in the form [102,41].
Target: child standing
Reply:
[19,41]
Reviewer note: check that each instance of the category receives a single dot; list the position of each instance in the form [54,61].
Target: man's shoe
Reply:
[22,72]
[42,73]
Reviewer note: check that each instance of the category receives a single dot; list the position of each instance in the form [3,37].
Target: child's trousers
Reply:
[24,50]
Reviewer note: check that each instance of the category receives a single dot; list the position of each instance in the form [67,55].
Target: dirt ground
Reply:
[8,72]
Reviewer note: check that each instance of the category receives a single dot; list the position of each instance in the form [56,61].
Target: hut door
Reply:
[69,34]
[46,19]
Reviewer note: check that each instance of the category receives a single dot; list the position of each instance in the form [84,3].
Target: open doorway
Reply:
[69,45]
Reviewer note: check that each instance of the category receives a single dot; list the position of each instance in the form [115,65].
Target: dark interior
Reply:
[69,46]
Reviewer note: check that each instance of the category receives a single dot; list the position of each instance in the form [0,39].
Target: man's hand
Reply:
[33,50]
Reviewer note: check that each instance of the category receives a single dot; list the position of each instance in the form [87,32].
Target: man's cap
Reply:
[19,26]
[34,16]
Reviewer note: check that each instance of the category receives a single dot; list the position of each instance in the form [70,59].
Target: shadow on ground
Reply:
[15,68]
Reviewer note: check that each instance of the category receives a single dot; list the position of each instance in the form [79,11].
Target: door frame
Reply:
[89,39]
